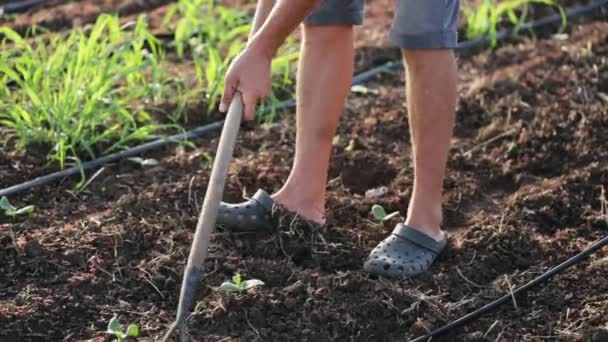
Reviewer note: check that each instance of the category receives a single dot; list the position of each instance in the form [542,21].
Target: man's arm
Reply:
[249,73]
[282,20]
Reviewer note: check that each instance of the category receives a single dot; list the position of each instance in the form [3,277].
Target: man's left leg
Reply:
[427,33]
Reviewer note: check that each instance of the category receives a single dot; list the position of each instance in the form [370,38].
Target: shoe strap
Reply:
[263,199]
[419,238]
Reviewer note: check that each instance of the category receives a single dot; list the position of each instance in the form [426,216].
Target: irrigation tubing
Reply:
[19,6]
[596,246]
[571,13]
[75,170]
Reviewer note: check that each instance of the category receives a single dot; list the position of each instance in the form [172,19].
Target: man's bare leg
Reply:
[431,99]
[324,77]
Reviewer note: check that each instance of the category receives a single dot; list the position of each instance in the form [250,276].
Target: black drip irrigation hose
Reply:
[75,170]
[20,6]
[571,13]
[596,246]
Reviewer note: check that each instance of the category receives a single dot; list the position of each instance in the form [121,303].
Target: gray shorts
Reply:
[418,24]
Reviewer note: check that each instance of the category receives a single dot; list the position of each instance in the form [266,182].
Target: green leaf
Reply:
[6,205]
[381,215]
[25,210]
[114,326]
[133,330]
[391,215]
[361,89]
[249,284]
[379,212]
[144,162]
[229,287]
[236,279]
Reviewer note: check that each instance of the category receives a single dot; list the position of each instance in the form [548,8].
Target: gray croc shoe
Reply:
[252,215]
[406,253]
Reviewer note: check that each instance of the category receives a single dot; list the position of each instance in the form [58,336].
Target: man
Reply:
[427,32]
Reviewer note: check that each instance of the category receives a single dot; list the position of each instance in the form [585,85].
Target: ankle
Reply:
[310,207]
[427,220]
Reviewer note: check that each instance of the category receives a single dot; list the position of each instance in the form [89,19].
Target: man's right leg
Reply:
[324,77]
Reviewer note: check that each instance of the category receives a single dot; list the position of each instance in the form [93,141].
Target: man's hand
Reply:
[249,75]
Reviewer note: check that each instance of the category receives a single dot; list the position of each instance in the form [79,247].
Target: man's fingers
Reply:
[249,103]
[229,90]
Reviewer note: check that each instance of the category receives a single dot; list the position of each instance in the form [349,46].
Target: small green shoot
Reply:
[485,19]
[114,328]
[363,90]
[12,211]
[84,92]
[238,285]
[25,296]
[144,162]
[381,215]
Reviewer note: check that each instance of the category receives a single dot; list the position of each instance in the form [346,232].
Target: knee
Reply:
[416,59]
[326,35]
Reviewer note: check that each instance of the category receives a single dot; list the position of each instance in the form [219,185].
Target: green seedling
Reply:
[25,296]
[485,19]
[238,285]
[144,162]
[12,211]
[212,35]
[84,92]
[114,328]
[361,89]
[381,215]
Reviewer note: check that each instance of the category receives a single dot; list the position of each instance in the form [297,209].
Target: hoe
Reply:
[207,219]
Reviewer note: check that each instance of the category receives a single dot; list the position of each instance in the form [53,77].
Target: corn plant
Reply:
[214,35]
[80,93]
[484,20]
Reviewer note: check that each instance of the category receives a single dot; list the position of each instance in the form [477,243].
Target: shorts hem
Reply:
[335,18]
[431,40]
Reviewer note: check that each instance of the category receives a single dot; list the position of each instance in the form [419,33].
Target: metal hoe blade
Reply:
[207,219]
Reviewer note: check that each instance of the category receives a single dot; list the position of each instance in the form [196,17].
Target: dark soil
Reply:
[526,172]
[57,15]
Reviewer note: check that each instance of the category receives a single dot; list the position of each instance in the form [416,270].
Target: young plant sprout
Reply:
[485,19]
[12,211]
[381,215]
[238,285]
[361,89]
[144,162]
[114,328]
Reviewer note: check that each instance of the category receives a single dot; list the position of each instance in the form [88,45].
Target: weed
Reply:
[381,215]
[12,211]
[214,35]
[144,162]
[81,91]
[484,20]
[114,328]
[24,296]
[238,285]
[363,90]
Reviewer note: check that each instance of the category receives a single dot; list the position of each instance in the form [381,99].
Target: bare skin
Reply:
[324,76]
[431,92]
[323,84]
[249,73]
